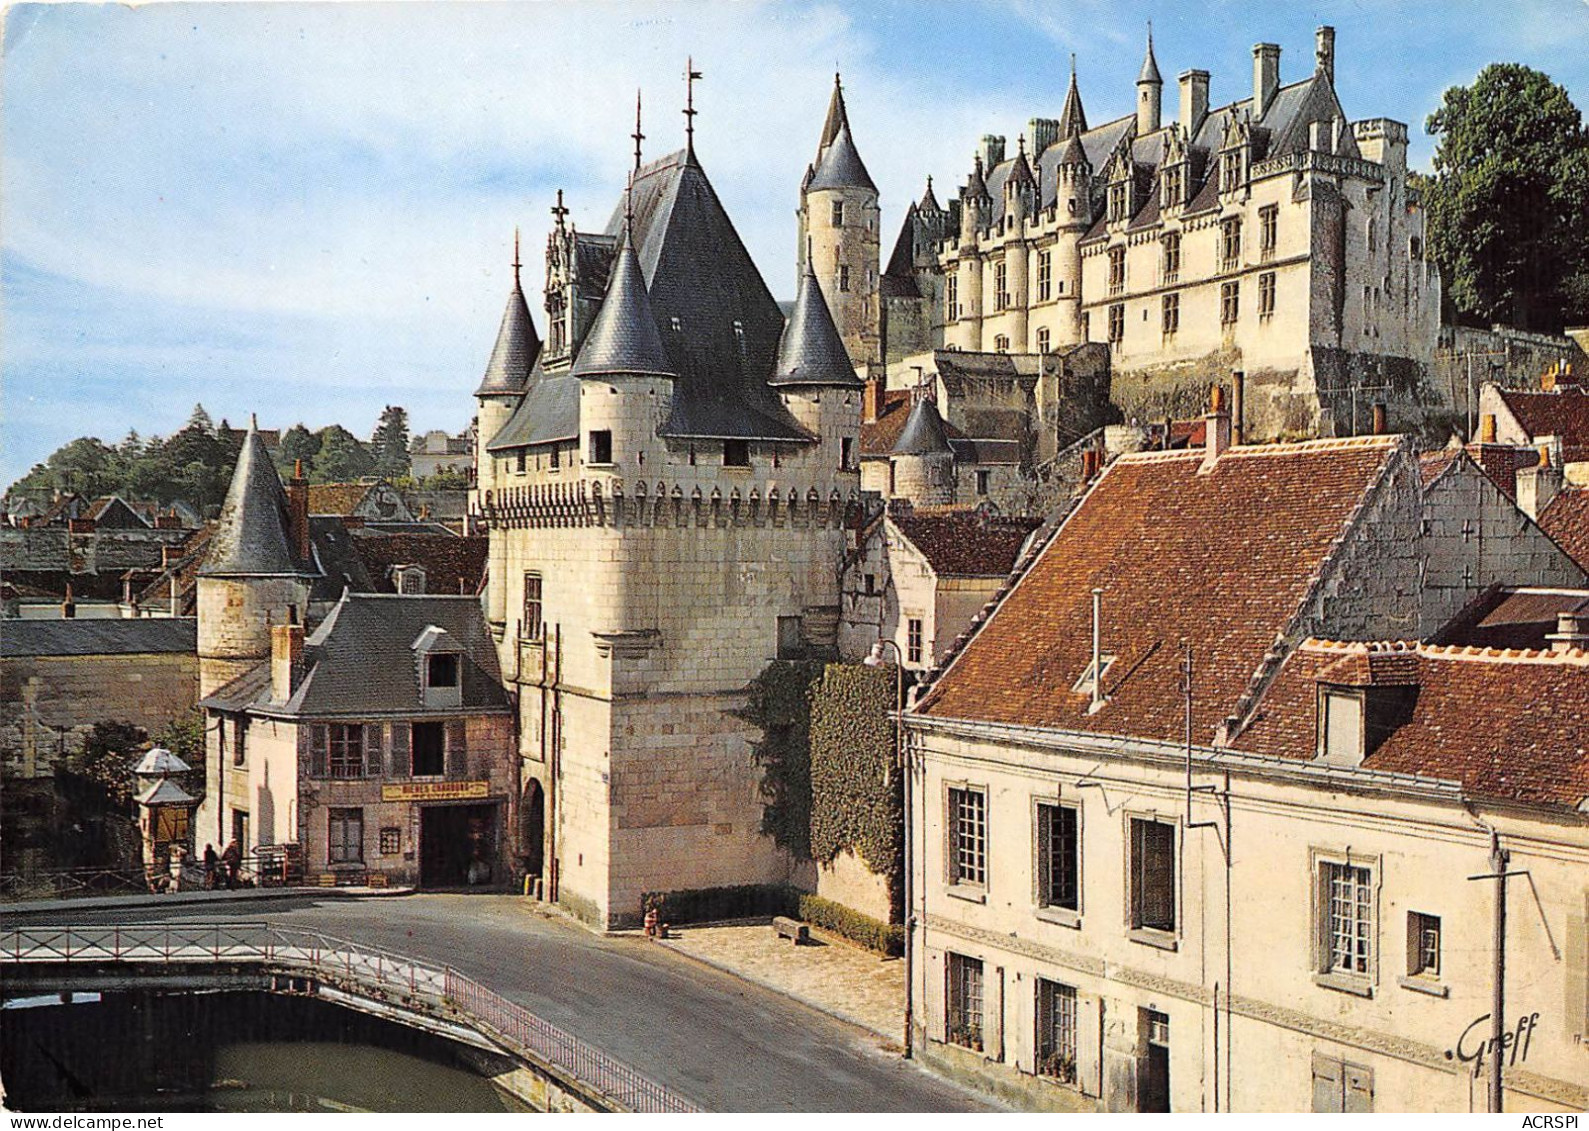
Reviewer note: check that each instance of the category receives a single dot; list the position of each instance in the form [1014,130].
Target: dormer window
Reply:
[1119,202]
[1340,726]
[440,668]
[1084,685]
[676,324]
[1174,187]
[1230,171]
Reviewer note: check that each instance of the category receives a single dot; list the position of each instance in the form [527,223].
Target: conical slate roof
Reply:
[923,434]
[250,538]
[929,201]
[838,117]
[1021,171]
[810,352]
[1073,153]
[1150,66]
[517,347]
[840,166]
[1072,119]
[624,337]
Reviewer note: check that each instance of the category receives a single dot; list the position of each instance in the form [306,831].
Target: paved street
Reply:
[726,1044]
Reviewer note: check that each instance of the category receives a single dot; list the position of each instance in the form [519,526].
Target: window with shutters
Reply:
[428,749]
[1152,875]
[346,750]
[1341,1087]
[968,837]
[346,836]
[1423,946]
[1056,1031]
[1341,727]
[963,996]
[1059,857]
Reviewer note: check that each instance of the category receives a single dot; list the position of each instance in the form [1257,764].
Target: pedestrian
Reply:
[212,862]
[232,859]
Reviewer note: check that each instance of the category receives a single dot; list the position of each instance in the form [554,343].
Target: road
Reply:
[726,1044]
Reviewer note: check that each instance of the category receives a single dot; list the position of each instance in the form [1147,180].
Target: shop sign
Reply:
[436,791]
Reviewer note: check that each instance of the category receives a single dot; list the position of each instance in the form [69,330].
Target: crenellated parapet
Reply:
[589,503]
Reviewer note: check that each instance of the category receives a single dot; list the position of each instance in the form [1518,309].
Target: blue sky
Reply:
[307,210]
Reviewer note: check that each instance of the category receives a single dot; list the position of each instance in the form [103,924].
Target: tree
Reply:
[110,753]
[200,419]
[341,457]
[1509,202]
[297,443]
[390,443]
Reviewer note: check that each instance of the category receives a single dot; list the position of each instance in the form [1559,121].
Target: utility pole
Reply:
[1499,859]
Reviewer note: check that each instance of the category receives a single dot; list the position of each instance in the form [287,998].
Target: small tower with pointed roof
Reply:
[251,578]
[507,373]
[812,360]
[921,462]
[1150,92]
[839,231]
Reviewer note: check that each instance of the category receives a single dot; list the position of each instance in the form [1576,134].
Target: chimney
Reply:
[1379,418]
[1044,132]
[992,150]
[1265,76]
[169,556]
[1238,402]
[68,606]
[1487,428]
[298,512]
[1572,631]
[1324,52]
[1538,486]
[1217,428]
[872,401]
[1194,100]
[286,657]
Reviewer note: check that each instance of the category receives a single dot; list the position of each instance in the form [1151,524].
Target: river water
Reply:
[242,1052]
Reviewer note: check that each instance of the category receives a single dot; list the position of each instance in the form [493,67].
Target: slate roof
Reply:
[250,537]
[137,636]
[810,352]
[879,436]
[899,277]
[516,348]
[1150,66]
[362,559]
[1563,413]
[840,166]
[962,542]
[361,661]
[1566,520]
[923,433]
[1227,559]
[624,337]
[1509,724]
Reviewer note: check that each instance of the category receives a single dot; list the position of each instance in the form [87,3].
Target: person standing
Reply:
[212,861]
[232,860]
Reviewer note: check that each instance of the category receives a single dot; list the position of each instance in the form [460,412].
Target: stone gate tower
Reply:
[839,221]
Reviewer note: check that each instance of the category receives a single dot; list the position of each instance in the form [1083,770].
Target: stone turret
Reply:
[922,462]
[839,230]
[251,579]
[1150,92]
[815,377]
[507,374]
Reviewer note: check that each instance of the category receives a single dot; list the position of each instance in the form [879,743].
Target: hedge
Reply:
[863,930]
[747,901]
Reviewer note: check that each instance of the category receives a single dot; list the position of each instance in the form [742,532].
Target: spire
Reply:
[1150,66]
[923,434]
[250,538]
[624,337]
[1021,171]
[1073,119]
[637,135]
[810,351]
[929,202]
[1073,153]
[690,75]
[837,118]
[977,186]
[517,346]
[840,166]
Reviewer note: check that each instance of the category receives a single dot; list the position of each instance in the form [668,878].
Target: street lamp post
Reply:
[875,659]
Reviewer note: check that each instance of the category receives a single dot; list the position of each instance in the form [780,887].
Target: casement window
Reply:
[1423,945]
[1341,1087]
[600,448]
[1059,857]
[1174,186]
[968,837]
[838,213]
[951,298]
[1001,277]
[1230,177]
[1055,1043]
[1152,875]
[1001,343]
[983,479]
[346,836]
[1229,303]
[1045,276]
[963,1000]
[1117,270]
[1119,202]
[1043,339]
[736,453]
[1346,919]
[1117,324]
[427,749]
[1266,295]
[1171,316]
[532,628]
[1268,231]
[913,640]
[844,278]
[346,749]
[1170,261]
[1230,243]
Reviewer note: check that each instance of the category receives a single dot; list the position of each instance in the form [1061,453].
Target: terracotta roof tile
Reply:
[1502,462]
[1566,520]
[336,498]
[1225,559]
[1563,413]
[1509,724]
[1432,465]
[963,543]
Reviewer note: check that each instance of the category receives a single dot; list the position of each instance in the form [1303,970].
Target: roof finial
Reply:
[690,75]
[637,135]
[559,211]
[1073,66]
[628,207]
[516,263]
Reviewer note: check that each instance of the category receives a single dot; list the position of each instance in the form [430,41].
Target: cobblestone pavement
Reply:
[831,975]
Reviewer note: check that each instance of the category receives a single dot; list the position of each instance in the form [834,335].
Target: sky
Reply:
[306,211]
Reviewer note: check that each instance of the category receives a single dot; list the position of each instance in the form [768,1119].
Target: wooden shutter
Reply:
[1359,1089]
[400,763]
[1327,1093]
[1089,1044]
[319,749]
[1577,984]
[457,756]
[372,750]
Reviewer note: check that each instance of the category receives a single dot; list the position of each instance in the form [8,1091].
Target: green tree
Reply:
[341,457]
[86,466]
[199,418]
[297,443]
[390,443]
[1508,204]
[110,753]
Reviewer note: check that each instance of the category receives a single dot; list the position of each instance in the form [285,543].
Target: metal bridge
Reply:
[305,961]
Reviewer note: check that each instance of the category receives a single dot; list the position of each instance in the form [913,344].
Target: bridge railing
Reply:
[325,956]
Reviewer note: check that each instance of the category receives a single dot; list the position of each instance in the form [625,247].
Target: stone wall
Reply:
[1467,358]
[848,879]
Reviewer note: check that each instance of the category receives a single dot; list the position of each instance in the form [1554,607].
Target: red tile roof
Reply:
[1226,560]
[1507,724]
[336,498]
[1502,462]
[1566,520]
[1432,465]
[1563,413]
[960,542]
[879,437]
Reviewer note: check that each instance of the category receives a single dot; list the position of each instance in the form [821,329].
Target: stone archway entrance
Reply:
[532,829]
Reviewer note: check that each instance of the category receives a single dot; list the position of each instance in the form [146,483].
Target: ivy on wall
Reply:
[779,704]
[856,799]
